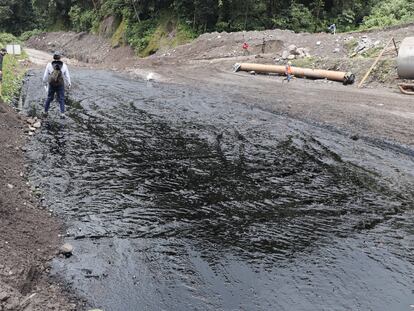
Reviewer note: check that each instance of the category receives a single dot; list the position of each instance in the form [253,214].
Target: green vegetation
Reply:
[350,45]
[82,20]
[388,13]
[6,38]
[28,34]
[151,24]
[306,62]
[13,73]
[385,70]
[148,37]
[118,38]
[207,15]
[372,52]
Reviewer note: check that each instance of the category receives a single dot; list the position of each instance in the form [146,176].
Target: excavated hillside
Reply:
[353,52]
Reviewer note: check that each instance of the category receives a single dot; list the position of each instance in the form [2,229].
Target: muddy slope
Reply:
[29,236]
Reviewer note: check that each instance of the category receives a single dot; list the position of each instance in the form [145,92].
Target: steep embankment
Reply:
[82,46]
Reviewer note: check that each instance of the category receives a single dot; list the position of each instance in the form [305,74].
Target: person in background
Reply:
[245,48]
[56,76]
[263,45]
[288,71]
[332,29]
[3,52]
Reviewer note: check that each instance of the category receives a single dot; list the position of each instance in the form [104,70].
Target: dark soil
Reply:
[29,235]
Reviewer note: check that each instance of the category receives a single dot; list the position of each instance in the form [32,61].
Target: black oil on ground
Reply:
[184,199]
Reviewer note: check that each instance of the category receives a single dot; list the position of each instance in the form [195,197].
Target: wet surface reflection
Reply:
[184,199]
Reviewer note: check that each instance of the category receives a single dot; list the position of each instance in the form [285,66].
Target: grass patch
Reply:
[306,62]
[13,73]
[372,52]
[118,38]
[385,71]
[28,34]
[350,45]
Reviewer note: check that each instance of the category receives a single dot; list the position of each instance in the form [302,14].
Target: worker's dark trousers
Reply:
[60,91]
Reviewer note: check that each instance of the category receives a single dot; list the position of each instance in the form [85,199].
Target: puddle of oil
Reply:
[177,197]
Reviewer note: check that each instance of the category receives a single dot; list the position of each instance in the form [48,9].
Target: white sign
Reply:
[14,49]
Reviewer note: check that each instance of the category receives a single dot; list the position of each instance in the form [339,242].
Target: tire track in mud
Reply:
[186,196]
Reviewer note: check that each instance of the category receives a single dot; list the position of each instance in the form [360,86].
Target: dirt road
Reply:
[382,114]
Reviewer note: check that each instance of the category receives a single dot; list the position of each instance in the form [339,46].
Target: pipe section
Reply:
[406,59]
[344,77]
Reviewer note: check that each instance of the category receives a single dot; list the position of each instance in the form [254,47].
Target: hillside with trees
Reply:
[136,21]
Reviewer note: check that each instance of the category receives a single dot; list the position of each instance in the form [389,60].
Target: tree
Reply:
[16,16]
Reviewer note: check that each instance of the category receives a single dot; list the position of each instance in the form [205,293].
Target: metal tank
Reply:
[406,59]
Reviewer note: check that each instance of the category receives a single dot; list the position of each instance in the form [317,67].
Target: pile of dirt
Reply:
[222,45]
[29,236]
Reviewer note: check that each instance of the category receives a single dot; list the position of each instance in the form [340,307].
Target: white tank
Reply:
[406,59]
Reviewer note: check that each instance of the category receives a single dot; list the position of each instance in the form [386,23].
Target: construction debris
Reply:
[294,52]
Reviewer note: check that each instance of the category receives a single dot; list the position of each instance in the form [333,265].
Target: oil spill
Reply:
[179,198]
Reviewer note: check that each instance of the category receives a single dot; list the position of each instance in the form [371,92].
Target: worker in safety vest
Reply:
[288,71]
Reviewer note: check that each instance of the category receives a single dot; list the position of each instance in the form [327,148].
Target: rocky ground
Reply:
[29,235]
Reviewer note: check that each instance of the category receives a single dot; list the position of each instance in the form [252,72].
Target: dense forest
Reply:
[139,18]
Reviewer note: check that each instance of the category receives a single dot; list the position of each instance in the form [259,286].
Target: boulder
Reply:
[12,304]
[292,49]
[285,54]
[66,249]
[4,296]
[31,121]
[291,56]
[301,52]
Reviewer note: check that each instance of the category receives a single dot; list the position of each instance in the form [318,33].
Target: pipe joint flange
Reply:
[349,78]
